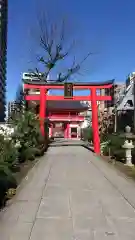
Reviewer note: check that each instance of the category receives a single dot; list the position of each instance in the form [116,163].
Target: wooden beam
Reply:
[81,87]
[61,98]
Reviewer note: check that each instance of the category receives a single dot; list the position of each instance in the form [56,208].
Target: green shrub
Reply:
[105,148]
[133,156]
[119,154]
[8,152]
[28,134]
[25,144]
[27,154]
[114,147]
[7,181]
[8,158]
[106,151]
[87,134]
[37,152]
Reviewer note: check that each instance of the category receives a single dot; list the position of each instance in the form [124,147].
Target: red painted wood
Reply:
[65,118]
[32,86]
[63,114]
[68,128]
[65,131]
[78,98]
[42,112]
[96,139]
[72,111]
[61,98]
[51,131]
[93,98]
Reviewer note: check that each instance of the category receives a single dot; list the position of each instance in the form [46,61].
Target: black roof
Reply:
[54,83]
[66,105]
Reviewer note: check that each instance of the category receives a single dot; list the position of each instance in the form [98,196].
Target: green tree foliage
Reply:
[8,153]
[25,144]
[27,134]
[87,134]
[114,146]
[8,158]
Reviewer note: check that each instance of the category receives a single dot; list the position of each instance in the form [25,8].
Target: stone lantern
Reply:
[128,145]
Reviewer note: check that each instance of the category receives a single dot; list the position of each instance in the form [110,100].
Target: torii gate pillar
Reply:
[96,138]
[43,98]
[42,111]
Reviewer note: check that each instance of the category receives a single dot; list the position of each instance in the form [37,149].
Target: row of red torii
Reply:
[93,97]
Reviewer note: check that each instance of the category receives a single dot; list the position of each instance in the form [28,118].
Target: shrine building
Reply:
[65,118]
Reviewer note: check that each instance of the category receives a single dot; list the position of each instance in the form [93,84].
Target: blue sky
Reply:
[105,28]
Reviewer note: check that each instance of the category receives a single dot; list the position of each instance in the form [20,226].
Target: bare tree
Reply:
[53,51]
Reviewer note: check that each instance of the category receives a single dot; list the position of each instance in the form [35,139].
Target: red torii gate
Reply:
[93,97]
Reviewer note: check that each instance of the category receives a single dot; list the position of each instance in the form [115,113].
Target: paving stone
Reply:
[11,213]
[105,235]
[30,194]
[97,221]
[23,211]
[125,227]
[84,236]
[118,207]
[15,231]
[52,229]
[85,204]
[57,207]
[29,211]
[55,191]
[71,194]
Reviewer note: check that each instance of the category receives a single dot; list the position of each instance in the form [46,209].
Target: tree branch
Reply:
[52,43]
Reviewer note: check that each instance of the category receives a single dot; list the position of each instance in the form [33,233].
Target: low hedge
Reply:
[7,181]
[25,144]
[115,142]
[87,134]
[114,148]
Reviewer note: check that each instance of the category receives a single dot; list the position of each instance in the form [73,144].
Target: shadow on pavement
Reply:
[70,142]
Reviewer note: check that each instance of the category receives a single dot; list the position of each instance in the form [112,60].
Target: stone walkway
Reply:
[71,194]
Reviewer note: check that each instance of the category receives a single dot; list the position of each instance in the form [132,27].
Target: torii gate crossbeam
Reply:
[43,87]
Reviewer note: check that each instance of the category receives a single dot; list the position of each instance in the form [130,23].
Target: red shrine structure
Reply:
[64,118]
[63,111]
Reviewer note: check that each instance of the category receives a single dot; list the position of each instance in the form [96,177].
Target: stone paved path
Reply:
[71,194]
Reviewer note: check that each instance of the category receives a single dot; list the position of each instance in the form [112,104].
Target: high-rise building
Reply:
[12,110]
[3,56]
[11,107]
